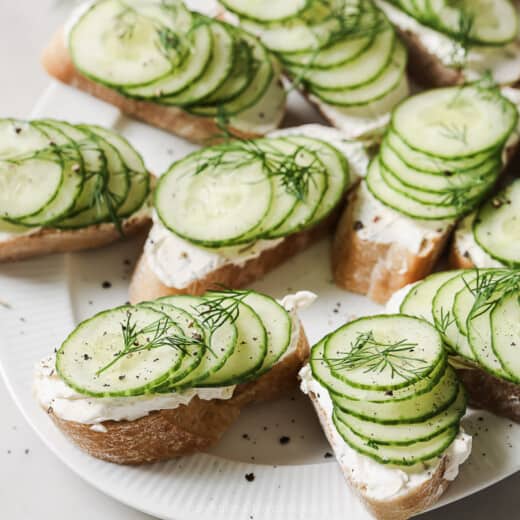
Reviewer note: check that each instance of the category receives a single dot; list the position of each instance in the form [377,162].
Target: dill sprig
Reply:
[222,307]
[153,336]
[454,131]
[376,356]
[446,319]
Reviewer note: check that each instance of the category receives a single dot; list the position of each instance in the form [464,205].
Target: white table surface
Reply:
[34,485]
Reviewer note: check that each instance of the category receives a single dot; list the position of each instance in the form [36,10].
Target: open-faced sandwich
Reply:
[477,311]
[173,68]
[230,213]
[390,406]
[166,378]
[490,237]
[345,55]
[440,157]
[454,42]
[67,187]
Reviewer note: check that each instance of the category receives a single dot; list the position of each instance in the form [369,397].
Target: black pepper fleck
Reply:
[250,477]
[106,285]
[284,439]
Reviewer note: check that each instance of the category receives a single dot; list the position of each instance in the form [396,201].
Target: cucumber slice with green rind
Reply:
[413,410]
[398,455]
[98,341]
[496,227]
[384,352]
[258,10]
[407,434]
[19,139]
[321,371]
[455,122]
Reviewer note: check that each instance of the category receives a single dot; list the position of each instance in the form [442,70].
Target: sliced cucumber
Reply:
[87,359]
[406,434]
[496,227]
[385,352]
[455,121]
[413,410]
[398,455]
[257,9]
[20,139]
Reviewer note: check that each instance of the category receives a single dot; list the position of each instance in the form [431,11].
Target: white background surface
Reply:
[34,485]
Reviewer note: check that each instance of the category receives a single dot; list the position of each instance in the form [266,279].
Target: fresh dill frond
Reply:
[222,307]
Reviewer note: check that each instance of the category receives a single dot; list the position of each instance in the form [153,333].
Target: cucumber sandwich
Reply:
[441,156]
[230,213]
[168,377]
[453,42]
[344,54]
[391,406]
[477,312]
[67,187]
[171,67]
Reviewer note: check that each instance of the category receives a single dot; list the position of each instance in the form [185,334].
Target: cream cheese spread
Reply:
[381,482]
[502,62]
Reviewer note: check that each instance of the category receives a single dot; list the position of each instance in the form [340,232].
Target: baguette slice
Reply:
[146,285]
[57,62]
[48,240]
[187,429]
[401,507]
[371,264]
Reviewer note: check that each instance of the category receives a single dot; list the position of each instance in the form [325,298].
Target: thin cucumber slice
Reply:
[112,43]
[496,227]
[188,72]
[28,186]
[398,455]
[354,73]
[435,165]
[455,121]
[138,175]
[191,330]
[20,139]
[259,11]
[403,204]
[414,410]
[264,73]
[384,352]
[71,185]
[250,351]
[443,315]
[407,434]
[505,330]
[338,53]
[451,181]
[419,300]
[90,360]
[216,206]
[338,177]
[379,87]
[216,73]
[321,371]
[222,342]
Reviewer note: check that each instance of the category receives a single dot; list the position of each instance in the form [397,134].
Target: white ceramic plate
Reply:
[41,300]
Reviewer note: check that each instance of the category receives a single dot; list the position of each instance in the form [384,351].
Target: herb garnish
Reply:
[377,356]
[223,307]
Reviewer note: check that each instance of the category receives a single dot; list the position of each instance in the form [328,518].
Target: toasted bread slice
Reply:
[371,263]
[459,258]
[49,240]
[186,429]
[56,61]
[402,507]
[146,285]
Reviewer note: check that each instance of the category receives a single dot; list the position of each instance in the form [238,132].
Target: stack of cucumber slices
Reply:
[478,314]
[395,398]
[59,175]
[345,52]
[496,226]
[472,22]
[246,190]
[175,343]
[160,51]
[443,151]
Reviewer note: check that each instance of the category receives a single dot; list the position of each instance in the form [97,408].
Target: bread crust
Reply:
[402,507]
[459,259]
[378,269]
[203,130]
[145,285]
[190,428]
[49,240]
